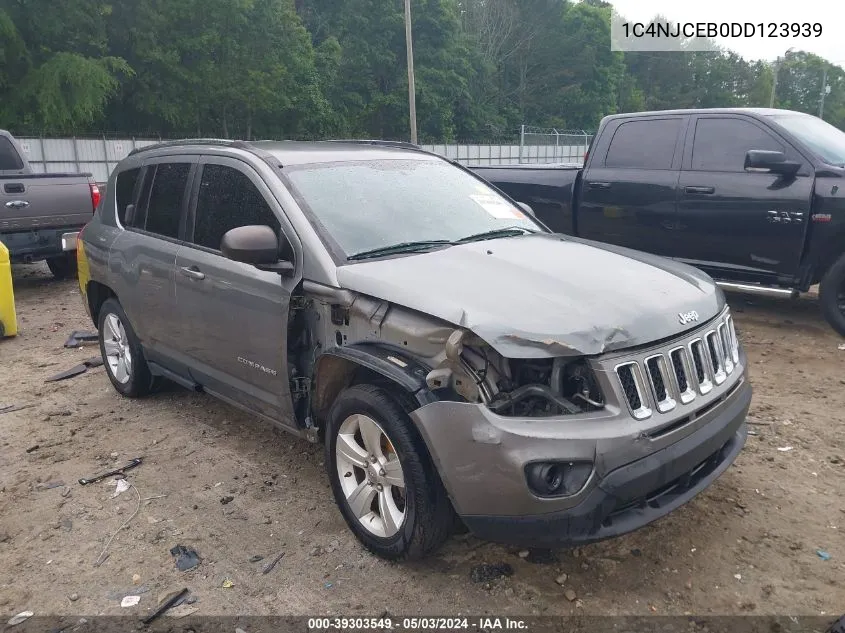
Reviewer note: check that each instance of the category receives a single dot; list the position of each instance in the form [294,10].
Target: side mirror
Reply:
[256,245]
[527,209]
[775,162]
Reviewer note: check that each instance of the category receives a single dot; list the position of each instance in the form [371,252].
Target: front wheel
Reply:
[832,295]
[63,266]
[382,477]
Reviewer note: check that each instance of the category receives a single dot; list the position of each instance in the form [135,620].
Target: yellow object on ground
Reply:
[8,318]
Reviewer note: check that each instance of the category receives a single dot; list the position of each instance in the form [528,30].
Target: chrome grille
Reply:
[682,373]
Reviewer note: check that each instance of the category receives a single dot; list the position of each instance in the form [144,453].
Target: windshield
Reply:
[375,204]
[826,141]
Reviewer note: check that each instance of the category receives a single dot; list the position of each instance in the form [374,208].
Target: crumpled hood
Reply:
[545,295]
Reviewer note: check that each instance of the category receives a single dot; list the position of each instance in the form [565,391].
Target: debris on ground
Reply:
[487,572]
[130,601]
[104,554]
[50,485]
[76,370]
[20,617]
[227,499]
[73,597]
[78,337]
[14,407]
[524,553]
[269,566]
[570,595]
[785,449]
[823,554]
[561,580]
[228,583]
[542,557]
[168,602]
[32,449]
[256,558]
[112,473]
[121,485]
[186,557]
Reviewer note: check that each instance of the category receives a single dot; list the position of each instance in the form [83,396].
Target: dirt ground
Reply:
[748,545]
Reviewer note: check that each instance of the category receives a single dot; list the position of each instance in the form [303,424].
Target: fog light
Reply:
[557,479]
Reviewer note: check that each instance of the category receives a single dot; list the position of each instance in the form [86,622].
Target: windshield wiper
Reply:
[511,231]
[396,249]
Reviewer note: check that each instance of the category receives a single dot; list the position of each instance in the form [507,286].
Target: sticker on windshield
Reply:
[497,207]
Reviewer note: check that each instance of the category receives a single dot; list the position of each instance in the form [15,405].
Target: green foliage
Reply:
[337,68]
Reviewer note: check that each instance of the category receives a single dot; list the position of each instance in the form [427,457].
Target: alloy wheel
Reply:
[371,475]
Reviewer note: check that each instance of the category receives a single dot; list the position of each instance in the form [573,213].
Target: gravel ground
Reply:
[748,545]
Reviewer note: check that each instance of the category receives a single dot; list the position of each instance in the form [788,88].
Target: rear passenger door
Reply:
[628,194]
[735,222]
[144,256]
[235,315]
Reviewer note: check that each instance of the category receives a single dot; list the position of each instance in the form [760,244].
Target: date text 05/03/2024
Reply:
[486,623]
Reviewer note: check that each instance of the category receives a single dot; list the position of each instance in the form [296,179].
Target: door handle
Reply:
[598,185]
[192,272]
[705,190]
[17,204]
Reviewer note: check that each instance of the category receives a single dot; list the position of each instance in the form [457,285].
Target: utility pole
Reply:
[775,79]
[825,91]
[412,90]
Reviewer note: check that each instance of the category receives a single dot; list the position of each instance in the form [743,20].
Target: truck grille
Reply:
[682,373]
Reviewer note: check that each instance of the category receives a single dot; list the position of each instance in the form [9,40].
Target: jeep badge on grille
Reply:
[688,317]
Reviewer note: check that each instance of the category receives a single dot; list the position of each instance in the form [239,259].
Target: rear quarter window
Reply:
[124,190]
[644,144]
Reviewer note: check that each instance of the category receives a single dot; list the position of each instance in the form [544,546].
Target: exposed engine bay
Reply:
[517,387]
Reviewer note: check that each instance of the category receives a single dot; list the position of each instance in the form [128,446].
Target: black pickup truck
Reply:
[754,197]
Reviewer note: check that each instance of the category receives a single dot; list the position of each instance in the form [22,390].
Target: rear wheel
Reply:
[122,355]
[382,477]
[832,295]
[63,266]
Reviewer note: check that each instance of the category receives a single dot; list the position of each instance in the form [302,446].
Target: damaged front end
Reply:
[515,387]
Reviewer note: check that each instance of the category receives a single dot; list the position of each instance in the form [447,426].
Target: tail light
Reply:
[95,195]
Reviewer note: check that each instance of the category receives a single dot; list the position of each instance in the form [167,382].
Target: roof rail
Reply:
[191,141]
[399,144]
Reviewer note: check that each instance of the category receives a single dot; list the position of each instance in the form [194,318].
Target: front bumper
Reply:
[617,499]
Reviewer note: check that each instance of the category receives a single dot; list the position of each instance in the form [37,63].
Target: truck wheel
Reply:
[122,356]
[63,266]
[382,476]
[832,295]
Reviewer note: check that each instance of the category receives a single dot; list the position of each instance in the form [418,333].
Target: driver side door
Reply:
[234,316]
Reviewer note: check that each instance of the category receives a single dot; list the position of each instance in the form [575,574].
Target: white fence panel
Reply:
[99,156]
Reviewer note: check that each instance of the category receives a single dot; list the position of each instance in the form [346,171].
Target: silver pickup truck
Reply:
[41,214]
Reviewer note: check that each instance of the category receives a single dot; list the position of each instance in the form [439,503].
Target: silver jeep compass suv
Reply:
[455,356]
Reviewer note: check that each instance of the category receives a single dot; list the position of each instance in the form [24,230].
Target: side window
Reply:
[721,144]
[644,144]
[123,190]
[164,208]
[9,159]
[228,199]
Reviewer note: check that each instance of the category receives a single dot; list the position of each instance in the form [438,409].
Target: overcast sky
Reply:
[829,13]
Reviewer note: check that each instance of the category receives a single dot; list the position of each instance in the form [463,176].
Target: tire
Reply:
[63,266]
[832,296]
[119,344]
[427,515]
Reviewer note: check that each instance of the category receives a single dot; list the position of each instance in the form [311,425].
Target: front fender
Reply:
[335,367]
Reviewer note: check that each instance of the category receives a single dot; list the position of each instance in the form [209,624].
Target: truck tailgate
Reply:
[39,201]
